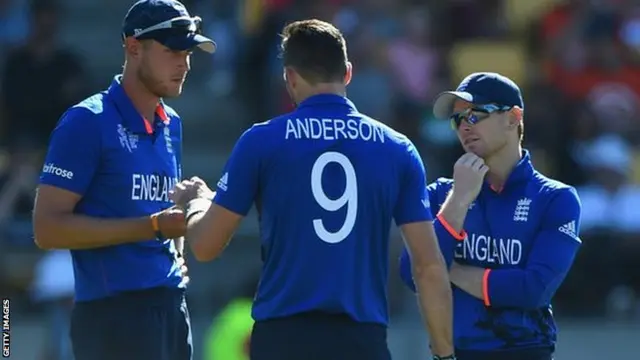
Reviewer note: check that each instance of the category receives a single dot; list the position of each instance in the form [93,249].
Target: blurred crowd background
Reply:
[577,62]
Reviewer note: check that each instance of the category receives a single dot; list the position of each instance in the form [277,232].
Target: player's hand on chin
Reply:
[468,174]
[187,190]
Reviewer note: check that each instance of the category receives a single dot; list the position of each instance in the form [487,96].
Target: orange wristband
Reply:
[155,225]
[458,236]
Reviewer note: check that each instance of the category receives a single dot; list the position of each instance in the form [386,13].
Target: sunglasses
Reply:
[183,23]
[476,114]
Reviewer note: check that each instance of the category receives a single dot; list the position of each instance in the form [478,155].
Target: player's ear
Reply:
[348,74]
[289,75]
[515,117]
[132,47]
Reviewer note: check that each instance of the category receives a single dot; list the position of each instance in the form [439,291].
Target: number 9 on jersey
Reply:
[349,197]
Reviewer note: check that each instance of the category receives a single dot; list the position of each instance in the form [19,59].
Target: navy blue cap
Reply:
[145,14]
[481,88]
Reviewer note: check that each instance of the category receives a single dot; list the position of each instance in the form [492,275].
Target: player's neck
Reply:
[328,88]
[501,164]
[141,98]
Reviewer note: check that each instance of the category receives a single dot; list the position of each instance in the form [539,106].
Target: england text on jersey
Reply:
[151,187]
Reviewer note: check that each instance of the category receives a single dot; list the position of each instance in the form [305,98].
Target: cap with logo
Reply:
[168,22]
[481,88]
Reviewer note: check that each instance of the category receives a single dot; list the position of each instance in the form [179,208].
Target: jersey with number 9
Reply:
[327,181]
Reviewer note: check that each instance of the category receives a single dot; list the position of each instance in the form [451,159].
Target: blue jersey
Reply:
[526,237]
[327,182]
[123,166]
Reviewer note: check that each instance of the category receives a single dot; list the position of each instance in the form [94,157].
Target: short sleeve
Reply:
[413,203]
[238,186]
[432,192]
[73,156]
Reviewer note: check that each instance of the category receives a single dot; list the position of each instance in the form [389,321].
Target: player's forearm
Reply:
[533,286]
[453,213]
[201,249]
[516,288]
[469,279]
[447,243]
[448,238]
[406,274]
[75,232]
[530,288]
[435,300]
[196,244]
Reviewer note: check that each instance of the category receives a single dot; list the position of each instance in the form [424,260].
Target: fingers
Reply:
[192,181]
[472,161]
[469,159]
[483,169]
[173,196]
[466,159]
[178,189]
[187,190]
[478,164]
[184,184]
[197,180]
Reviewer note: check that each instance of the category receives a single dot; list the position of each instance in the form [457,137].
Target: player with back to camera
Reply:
[326,181]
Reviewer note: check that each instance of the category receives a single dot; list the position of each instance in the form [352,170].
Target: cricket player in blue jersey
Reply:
[514,231]
[104,194]
[327,182]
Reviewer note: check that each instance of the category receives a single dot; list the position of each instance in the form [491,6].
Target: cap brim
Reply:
[205,44]
[190,41]
[443,106]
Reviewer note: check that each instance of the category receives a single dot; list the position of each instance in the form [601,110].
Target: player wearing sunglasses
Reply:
[103,195]
[512,233]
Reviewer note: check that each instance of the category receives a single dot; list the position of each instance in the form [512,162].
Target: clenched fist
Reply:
[188,190]
[171,223]
[468,176]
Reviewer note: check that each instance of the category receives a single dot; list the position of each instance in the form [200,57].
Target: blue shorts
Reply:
[544,353]
[318,336]
[149,324]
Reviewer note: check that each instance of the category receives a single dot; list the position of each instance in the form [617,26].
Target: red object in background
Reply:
[555,21]
[579,85]
[277,5]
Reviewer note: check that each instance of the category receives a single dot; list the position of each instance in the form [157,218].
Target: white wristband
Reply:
[196,206]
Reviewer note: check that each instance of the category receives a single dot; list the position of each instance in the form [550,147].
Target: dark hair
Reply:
[316,50]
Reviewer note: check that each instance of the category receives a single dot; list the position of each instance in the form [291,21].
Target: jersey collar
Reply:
[131,118]
[327,99]
[522,172]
